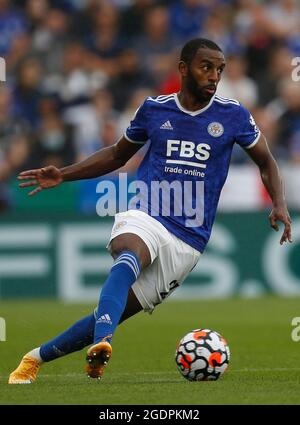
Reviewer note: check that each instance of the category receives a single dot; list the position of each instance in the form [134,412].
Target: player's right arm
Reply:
[100,163]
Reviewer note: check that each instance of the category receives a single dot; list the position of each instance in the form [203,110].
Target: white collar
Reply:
[192,113]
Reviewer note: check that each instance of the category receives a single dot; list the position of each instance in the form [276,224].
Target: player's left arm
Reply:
[272,180]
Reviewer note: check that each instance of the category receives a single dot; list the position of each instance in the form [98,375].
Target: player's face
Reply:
[204,74]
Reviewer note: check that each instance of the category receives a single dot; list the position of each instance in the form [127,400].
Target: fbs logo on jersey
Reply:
[187,152]
[215,129]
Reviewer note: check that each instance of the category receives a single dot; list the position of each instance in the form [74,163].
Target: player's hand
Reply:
[43,178]
[281,214]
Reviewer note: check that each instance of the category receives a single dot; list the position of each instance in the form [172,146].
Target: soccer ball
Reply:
[202,355]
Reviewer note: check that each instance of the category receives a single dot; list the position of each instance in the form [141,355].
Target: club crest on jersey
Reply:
[215,129]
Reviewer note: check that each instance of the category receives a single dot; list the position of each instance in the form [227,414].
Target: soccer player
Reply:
[191,135]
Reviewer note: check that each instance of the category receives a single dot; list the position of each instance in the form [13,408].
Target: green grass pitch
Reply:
[264,367]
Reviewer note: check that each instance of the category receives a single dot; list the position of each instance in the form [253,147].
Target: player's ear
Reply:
[183,68]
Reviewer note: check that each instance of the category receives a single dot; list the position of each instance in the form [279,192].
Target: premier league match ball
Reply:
[202,355]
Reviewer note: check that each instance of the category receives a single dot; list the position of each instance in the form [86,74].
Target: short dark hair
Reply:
[190,49]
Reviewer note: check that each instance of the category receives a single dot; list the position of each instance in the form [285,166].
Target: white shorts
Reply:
[171,258]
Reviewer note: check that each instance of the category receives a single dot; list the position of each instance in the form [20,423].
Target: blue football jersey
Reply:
[182,174]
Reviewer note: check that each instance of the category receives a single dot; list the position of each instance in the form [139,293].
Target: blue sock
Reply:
[73,339]
[113,297]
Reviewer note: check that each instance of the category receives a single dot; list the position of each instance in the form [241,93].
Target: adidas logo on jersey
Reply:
[105,319]
[166,126]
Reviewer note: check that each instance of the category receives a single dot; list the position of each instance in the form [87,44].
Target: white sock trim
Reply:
[35,353]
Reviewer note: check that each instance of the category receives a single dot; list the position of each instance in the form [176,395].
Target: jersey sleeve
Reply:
[247,132]
[137,131]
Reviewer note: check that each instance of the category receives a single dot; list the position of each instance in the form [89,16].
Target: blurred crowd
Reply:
[76,71]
